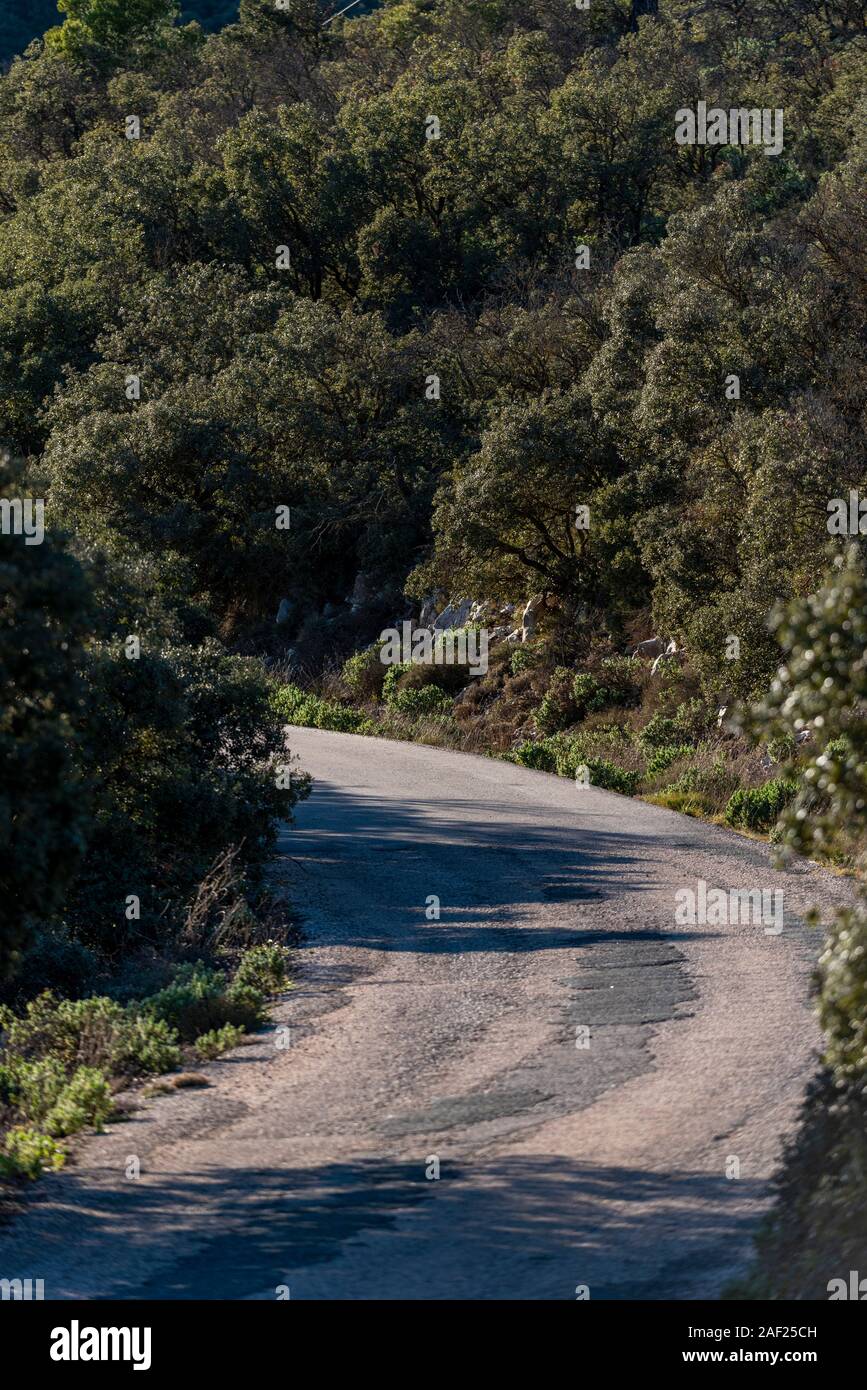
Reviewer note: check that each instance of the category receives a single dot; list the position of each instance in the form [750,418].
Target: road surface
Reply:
[455,1046]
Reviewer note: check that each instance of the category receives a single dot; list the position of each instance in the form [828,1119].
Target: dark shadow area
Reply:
[488,868]
[518,1229]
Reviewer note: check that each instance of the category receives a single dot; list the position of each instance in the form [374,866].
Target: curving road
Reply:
[418,1045]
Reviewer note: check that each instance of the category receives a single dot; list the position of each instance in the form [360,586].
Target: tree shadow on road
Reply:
[516,1228]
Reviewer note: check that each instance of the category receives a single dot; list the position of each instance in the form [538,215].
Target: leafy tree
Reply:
[45,610]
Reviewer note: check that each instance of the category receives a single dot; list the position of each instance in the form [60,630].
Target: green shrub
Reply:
[27,1153]
[588,694]
[521,660]
[341,719]
[144,1046]
[535,755]
[294,705]
[707,790]
[199,1000]
[310,711]
[96,1032]
[391,681]
[758,808]
[607,775]
[557,709]
[565,755]
[219,1040]
[265,968]
[660,731]
[84,1100]
[665,755]
[623,677]
[842,976]
[428,699]
[364,674]
[42,1093]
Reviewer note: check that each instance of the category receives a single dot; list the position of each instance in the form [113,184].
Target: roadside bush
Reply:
[199,1000]
[364,674]
[536,755]
[607,775]
[588,695]
[758,808]
[392,678]
[95,1032]
[42,1093]
[84,1100]
[27,1154]
[558,708]
[665,755]
[219,1040]
[429,699]
[310,711]
[623,677]
[144,1046]
[265,968]
[294,705]
[842,977]
[660,731]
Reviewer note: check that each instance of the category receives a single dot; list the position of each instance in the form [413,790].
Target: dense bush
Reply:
[664,755]
[217,1041]
[265,968]
[558,708]
[429,699]
[45,804]
[364,674]
[297,706]
[758,808]
[27,1153]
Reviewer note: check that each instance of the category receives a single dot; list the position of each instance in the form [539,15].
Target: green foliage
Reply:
[95,1032]
[297,706]
[110,24]
[144,1046]
[265,968]
[44,610]
[428,699]
[217,1041]
[391,682]
[604,773]
[200,999]
[660,731]
[589,695]
[364,674]
[822,689]
[539,755]
[58,1103]
[664,755]
[565,756]
[558,708]
[27,1154]
[758,808]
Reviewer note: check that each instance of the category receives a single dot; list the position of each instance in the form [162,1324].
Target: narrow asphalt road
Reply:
[419,1046]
